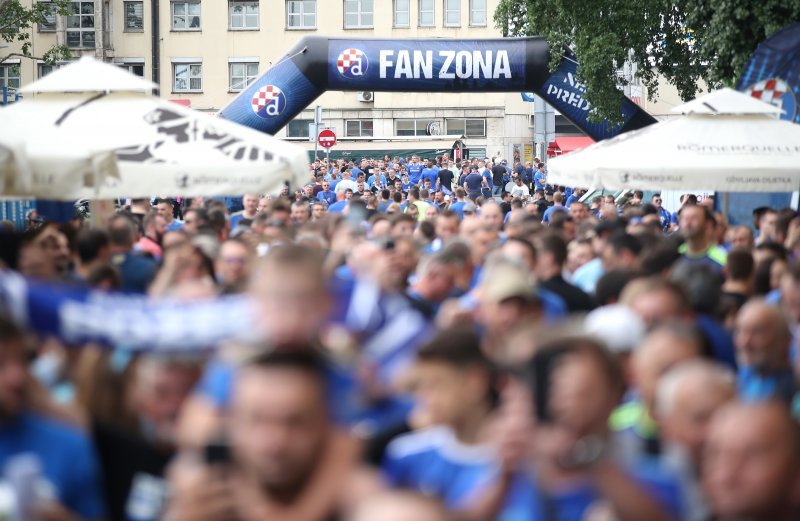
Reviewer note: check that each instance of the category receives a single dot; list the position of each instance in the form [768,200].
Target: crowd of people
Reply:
[432,340]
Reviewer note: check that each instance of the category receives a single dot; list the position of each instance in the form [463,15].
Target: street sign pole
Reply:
[317,125]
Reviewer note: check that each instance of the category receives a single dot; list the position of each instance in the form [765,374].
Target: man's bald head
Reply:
[752,461]
[686,399]
[762,337]
[665,347]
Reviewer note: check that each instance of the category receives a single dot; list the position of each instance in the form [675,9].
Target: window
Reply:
[402,13]
[427,13]
[465,127]
[241,74]
[136,68]
[80,25]
[188,77]
[9,76]
[134,16]
[298,128]
[48,25]
[357,14]
[243,15]
[301,14]
[358,128]
[186,16]
[452,13]
[477,12]
[44,69]
[411,127]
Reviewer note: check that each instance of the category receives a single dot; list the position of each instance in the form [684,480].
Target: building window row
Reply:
[468,127]
[427,16]
[452,126]
[187,76]
[244,15]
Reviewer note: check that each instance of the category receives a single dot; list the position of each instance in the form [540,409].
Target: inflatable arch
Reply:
[317,64]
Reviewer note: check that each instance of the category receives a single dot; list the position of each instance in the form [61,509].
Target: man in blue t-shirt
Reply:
[558,206]
[327,195]
[448,461]
[473,183]
[414,170]
[68,464]
[540,178]
[430,174]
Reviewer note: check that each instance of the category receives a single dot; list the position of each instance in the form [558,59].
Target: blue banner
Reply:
[773,72]
[565,92]
[427,65]
[272,101]
[317,64]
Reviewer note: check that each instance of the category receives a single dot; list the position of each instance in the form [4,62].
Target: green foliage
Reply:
[683,40]
[17,23]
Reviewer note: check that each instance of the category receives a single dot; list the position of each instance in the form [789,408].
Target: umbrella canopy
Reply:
[727,141]
[89,75]
[121,143]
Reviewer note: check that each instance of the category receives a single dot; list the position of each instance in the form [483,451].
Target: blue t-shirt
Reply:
[414,173]
[345,397]
[474,182]
[458,208]
[431,175]
[433,462]
[586,276]
[380,178]
[755,387]
[67,458]
[548,214]
[176,225]
[235,218]
[135,271]
[571,199]
[337,207]
[524,502]
[327,197]
[539,180]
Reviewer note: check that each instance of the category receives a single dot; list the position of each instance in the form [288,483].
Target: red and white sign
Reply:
[326,138]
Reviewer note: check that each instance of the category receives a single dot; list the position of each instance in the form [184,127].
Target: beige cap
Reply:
[504,282]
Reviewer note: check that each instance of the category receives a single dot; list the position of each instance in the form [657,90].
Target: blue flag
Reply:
[773,72]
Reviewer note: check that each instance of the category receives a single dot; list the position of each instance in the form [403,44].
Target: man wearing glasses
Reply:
[664,216]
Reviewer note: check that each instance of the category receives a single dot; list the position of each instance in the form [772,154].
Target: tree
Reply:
[683,40]
[17,23]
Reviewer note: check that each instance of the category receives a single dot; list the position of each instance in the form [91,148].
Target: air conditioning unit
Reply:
[366,96]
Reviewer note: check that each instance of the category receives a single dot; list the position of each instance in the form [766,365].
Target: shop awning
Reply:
[566,144]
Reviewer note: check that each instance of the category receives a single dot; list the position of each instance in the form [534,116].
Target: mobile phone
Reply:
[217,453]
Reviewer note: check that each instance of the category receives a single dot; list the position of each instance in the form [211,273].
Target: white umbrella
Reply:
[89,75]
[727,141]
[161,148]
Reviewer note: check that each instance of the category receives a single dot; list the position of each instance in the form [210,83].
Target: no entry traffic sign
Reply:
[326,138]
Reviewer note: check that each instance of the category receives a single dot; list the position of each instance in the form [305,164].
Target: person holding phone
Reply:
[557,452]
[282,458]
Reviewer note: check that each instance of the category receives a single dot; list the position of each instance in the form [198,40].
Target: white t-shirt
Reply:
[520,191]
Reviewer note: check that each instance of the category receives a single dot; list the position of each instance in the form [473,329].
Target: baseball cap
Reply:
[506,281]
[617,326]
[470,207]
